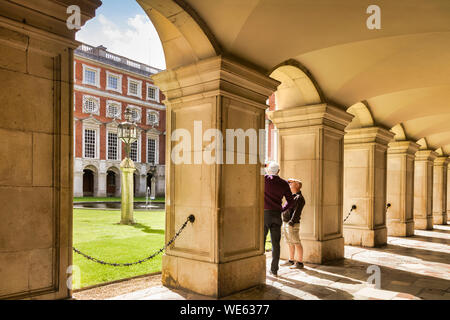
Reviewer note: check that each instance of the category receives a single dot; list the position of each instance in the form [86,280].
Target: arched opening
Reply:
[88,183]
[111,186]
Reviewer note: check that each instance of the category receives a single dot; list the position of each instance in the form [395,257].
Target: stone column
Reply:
[400,188]
[423,189]
[127,168]
[311,148]
[365,160]
[101,188]
[448,194]
[440,190]
[222,252]
[78,184]
[36,157]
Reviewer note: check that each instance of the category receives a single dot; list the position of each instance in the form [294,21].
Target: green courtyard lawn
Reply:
[111,199]
[96,233]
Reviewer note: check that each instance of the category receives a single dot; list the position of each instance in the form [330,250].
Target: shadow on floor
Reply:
[148,229]
[430,239]
[321,292]
[263,292]
[419,253]
[427,287]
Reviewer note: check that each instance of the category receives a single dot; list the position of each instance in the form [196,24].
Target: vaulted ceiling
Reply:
[401,72]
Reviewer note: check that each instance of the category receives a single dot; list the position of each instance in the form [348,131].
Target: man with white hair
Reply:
[274,191]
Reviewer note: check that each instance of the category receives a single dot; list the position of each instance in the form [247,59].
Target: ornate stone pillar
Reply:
[222,252]
[127,168]
[311,148]
[400,188]
[440,190]
[365,160]
[423,189]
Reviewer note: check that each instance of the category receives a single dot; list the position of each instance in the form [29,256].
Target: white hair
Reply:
[273,168]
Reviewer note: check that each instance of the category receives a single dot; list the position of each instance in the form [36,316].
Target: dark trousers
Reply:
[272,222]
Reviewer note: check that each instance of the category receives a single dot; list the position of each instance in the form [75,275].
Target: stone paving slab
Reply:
[411,268]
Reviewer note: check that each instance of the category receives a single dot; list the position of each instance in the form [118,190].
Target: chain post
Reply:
[190,219]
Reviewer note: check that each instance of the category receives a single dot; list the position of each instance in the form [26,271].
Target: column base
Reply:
[440,219]
[365,237]
[212,279]
[423,223]
[317,252]
[400,229]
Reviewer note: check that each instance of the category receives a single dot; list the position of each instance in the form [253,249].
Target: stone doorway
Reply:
[111,186]
[88,183]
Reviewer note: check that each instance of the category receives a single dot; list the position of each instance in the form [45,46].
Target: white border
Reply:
[154,136]
[139,82]
[119,81]
[110,129]
[87,97]
[150,111]
[108,103]
[96,128]
[97,78]
[149,85]
[139,109]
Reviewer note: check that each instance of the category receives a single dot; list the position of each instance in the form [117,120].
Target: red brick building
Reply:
[105,84]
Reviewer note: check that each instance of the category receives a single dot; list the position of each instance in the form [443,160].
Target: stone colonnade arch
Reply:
[208,80]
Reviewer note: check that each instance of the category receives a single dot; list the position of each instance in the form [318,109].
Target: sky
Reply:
[123,27]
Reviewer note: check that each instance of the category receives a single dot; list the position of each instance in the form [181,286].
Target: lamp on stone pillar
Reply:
[127,132]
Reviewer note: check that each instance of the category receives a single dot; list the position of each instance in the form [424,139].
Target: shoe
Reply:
[288,263]
[275,274]
[298,265]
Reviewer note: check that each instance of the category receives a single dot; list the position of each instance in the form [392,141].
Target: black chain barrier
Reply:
[191,219]
[351,210]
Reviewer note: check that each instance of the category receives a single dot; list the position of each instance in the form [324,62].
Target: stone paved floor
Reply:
[411,268]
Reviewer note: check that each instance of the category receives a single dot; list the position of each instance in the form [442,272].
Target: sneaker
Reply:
[298,265]
[288,263]
[275,274]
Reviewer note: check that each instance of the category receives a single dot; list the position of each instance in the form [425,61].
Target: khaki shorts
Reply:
[291,234]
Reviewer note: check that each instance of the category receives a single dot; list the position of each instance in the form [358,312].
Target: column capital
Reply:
[312,115]
[426,155]
[215,76]
[441,161]
[47,20]
[368,135]
[403,147]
